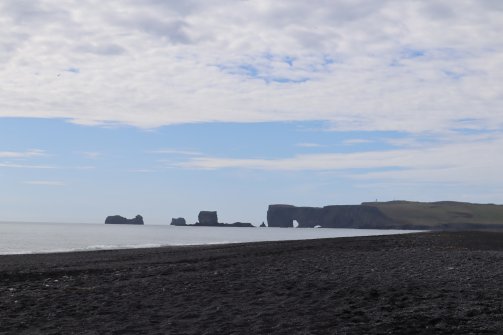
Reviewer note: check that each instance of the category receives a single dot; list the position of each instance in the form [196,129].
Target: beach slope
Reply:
[426,283]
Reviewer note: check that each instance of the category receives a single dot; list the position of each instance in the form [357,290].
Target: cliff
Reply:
[442,215]
[344,216]
[445,215]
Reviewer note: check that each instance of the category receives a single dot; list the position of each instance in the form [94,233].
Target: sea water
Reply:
[23,238]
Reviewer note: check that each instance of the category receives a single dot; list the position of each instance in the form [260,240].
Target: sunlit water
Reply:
[22,238]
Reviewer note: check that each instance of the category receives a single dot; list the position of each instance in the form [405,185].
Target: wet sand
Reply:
[427,283]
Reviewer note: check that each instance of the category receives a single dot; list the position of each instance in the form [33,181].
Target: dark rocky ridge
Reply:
[343,216]
[446,215]
[117,219]
[209,219]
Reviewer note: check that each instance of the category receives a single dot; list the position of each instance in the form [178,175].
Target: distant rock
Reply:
[117,219]
[210,219]
[178,222]
[207,218]
[236,224]
[263,225]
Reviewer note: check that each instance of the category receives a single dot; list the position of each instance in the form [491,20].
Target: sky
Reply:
[166,108]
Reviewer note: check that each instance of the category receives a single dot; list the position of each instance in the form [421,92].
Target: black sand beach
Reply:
[427,283]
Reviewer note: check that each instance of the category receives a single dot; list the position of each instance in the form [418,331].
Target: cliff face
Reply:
[343,216]
[356,216]
[281,216]
[444,215]
[117,219]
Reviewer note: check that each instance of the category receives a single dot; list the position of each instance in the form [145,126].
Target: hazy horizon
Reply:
[166,108]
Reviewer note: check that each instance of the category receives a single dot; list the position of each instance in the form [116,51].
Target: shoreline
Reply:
[431,283]
[42,238]
[195,245]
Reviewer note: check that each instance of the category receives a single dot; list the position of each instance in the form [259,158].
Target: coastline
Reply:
[421,283]
[33,238]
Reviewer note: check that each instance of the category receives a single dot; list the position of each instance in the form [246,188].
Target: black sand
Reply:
[429,283]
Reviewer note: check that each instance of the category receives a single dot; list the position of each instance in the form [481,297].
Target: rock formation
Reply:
[117,219]
[210,219]
[207,218]
[263,225]
[443,215]
[236,224]
[343,216]
[178,222]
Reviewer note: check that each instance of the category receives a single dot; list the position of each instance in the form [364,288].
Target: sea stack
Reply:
[210,219]
[178,222]
[207,218]
[117,219]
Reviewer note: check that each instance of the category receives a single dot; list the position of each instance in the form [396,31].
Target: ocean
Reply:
[26,238]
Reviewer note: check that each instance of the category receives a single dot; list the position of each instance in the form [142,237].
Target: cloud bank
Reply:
[411,66]
[474,163]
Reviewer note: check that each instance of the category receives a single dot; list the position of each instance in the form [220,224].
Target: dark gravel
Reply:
[428,283]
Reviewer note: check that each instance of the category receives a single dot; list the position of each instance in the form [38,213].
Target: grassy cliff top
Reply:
[438,213]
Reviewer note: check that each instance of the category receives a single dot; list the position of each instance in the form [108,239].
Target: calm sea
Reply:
[22,238]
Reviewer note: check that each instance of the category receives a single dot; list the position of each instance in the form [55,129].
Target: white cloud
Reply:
[25,166]
[465,163]
[17,159]
[22,154]
[10,165]
[375,65]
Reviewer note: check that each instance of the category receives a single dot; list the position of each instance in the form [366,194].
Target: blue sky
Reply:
[167,108]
